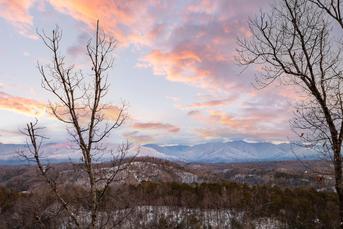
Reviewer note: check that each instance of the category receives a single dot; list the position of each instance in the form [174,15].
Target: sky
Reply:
[175,66]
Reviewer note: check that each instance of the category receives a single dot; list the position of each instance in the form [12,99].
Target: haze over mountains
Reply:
[214,152]
[236,151]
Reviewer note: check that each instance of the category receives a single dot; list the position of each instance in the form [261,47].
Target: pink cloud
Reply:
[16,12]
[137,137]
[194,45]
[156,126]
[211,103]
[260,118]
[127,21]
[178,66]
[36,108]
[208,30]
[196,49]
[21,105]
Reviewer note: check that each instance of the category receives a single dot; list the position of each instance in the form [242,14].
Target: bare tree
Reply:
[295,45]
[81,107]
[332,8]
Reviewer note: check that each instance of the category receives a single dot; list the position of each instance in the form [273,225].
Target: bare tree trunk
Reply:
[93,192]
[332,9]
[295,44]
[338,182]
[80,106]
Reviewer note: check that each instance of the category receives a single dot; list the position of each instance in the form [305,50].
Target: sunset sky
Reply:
[175,67]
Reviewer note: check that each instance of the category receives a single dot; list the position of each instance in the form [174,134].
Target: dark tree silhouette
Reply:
[81,107]
[295,44]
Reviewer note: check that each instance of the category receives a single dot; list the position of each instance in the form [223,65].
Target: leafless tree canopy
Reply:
[79,97]
[333,8]
[80,105]
[295,43]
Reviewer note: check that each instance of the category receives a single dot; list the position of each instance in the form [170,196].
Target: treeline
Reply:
[292,208]
[297,208]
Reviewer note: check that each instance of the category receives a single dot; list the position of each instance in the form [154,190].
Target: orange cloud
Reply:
[156,126]
[36,108]
[257,124]
[125,20]
[254,121]
[197,50]
[179,66]
[108,112]
[16,12]
[21,105]
[111,112]
[226,119]
[128,21]
[200,51]
[216,118]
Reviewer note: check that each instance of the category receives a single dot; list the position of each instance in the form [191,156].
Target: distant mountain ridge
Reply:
[236,151]
[212,152]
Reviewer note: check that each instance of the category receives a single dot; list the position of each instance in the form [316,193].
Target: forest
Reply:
[226,205]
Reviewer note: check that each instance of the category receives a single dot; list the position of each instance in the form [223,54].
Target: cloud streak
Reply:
[156,126]
[256,120]
[21,105]
[211,103]
[137,137]
[16,12]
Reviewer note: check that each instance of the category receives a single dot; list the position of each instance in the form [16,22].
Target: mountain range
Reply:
[213,152]
[236,151]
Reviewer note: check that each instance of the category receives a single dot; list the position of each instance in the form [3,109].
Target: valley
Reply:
[157,193]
